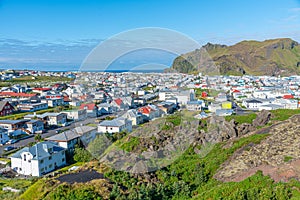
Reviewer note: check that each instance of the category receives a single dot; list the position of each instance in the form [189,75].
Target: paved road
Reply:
[49,133]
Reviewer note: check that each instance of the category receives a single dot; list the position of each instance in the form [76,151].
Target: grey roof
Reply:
[44,115]
[71,134]
[38,150]
[195,102]
[114,123]
[253,101]
[13,121]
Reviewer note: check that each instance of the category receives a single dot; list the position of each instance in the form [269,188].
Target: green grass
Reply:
[21,184]
[65,169]
[132,143]
[284,114]
[21,115]
[242,118]
[287,158]
[37,191]
[39,79]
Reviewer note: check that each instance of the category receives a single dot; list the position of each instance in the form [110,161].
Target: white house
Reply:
[39,159]
[136,117]
[253,104]
[76,115]
[116,125]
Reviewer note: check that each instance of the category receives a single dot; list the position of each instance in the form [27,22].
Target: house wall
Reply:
[3,137]
[109,129]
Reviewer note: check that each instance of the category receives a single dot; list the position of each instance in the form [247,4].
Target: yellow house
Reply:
[227,105]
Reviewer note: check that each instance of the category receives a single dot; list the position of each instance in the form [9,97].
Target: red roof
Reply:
[236,91]
[145,110]
[288,96]
[14,94]
[67,99]
[118,101]
[88,106]
[42,89]
[53,96]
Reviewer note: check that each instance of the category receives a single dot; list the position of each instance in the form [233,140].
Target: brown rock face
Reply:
[262,118]
[277,155]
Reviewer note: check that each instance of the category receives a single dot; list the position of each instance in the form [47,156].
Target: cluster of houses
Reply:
[133,99]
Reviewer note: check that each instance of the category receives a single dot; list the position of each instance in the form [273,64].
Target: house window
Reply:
[62,153]
[50,166]
[42,161]
[24,157]
[50,157]
[110,128]
[63,160]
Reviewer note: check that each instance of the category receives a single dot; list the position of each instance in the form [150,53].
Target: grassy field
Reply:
[242,118]
[284,114]
[31,79]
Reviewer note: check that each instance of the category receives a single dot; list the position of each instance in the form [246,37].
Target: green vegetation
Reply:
[21,115]
[230,59]
[171,121]
[130,144]
[284,114]
[98,146]
[210,92]
[38,190]
[21,184]
[242,118]
[65,191]
[81,155]
[190,176]
[287,158]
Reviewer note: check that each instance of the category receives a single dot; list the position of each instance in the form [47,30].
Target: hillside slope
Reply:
[270,57]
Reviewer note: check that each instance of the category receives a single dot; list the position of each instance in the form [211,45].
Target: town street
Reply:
[49,133]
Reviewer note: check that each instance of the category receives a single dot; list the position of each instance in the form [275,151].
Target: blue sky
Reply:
[62,32]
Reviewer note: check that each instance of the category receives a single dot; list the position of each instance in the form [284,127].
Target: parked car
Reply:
[12,141]
[8,148]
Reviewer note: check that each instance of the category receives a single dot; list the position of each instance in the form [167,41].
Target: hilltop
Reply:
[270,57]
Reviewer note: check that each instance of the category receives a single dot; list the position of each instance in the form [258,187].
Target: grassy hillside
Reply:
[270,57]
[191,175]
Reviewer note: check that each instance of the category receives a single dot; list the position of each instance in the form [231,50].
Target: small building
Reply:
[13,124]
[56,119]
[39,159]
[224,112]
[91,109]
[167,107]
[117,125]
[136,117]
[3,136]
[76,115]
[253,104]
[195,105]
[54,101]
[32,107]
[227,105]
[35,126]
[6,108]
[68,139]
